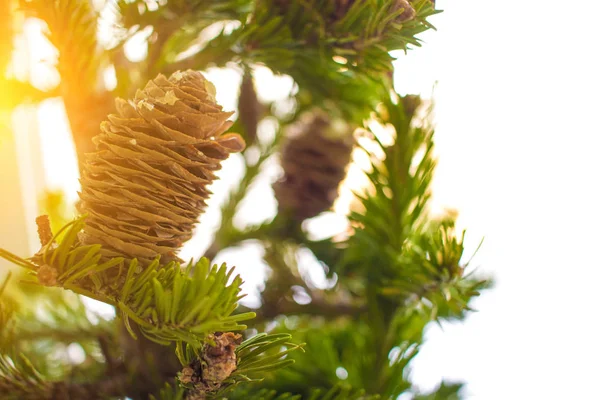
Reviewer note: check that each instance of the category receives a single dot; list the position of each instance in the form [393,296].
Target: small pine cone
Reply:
[146,185]
[314,160]
[249,107]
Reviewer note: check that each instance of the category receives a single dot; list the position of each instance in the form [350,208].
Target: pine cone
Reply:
[249,108]
[146,185]
[314,159]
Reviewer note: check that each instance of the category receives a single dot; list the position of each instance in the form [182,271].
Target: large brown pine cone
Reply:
[314,159]
[146,185]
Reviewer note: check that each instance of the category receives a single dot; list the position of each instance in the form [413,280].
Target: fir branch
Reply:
[140,12]
[59,328]
[372,359]
[258,355]
[313,44]
[169,392]
[318,307]
[20,381]
[167,302]
[228,235]
[390,228]
[339,392]
[15,93]
[177,27]
[218,369]
[72,27]
[445,391]
[172,305]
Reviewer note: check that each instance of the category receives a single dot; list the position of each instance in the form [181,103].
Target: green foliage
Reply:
[262,394]
[339,392]
[72,26]
[257,356]
[177,26]
[356,353]
[170,393]
[443,392]
[400,189]
[397,247]
[342,392]
[144,13]
[263,353]
[306,40]
[37,334]
[20,380]
[168,302]
[401,267]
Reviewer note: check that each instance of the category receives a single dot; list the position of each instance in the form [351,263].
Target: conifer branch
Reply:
[20,381]
[318,307]
[338,392]
[417,257]
[71,28]
[147,182]
[228,235]
[168,302]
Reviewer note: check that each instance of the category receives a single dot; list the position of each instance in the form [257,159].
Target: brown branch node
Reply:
[216,363]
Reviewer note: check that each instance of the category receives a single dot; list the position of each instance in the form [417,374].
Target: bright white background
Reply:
[518,136]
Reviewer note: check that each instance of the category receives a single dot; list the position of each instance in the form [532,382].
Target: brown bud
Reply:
[47,275]
[216,363]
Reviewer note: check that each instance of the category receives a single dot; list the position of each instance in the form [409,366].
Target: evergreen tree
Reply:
[148,151]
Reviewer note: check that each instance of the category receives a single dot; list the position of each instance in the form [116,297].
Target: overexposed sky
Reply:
[518,135]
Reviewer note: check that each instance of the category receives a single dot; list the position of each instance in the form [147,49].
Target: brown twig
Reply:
[44,229]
